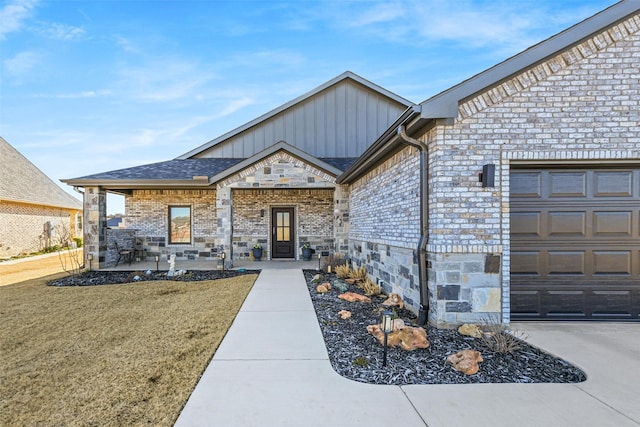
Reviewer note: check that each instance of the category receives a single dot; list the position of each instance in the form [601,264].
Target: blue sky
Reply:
[91,86]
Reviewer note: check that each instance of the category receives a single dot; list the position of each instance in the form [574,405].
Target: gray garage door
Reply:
[575,243]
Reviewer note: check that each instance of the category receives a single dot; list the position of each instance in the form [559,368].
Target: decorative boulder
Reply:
[317,278]
[344,314]
[323,287]
[407,337]
[394,300]
[412,338]
[466,361]
[470,330]
[354,297]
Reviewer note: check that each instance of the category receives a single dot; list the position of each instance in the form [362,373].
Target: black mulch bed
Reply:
[347,341]
[95,278]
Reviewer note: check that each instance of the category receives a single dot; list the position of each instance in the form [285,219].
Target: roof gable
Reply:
[22,182]
[340,118]
[445,104]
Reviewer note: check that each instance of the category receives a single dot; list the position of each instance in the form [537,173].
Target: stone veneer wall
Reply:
[579,106]
[313,213]
[125,240]
[147,212]
[384,225]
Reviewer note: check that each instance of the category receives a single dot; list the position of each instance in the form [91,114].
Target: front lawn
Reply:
[109,355]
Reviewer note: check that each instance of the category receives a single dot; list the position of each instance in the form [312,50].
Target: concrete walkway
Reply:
[272,369]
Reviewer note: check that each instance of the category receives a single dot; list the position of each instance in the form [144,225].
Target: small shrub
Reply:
[343,271]
[498,339]
[360,273]
[361,362]
[370,288]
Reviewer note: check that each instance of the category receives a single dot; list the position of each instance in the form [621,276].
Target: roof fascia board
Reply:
[283,107]
[132,184]
[26,202]
[280,146]
[445,104]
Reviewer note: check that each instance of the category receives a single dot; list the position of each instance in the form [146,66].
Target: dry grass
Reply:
[109,355]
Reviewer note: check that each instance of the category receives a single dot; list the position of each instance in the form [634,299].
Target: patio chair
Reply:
[127,254]
[140,253]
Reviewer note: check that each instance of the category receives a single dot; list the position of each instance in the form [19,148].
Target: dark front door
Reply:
[282,233]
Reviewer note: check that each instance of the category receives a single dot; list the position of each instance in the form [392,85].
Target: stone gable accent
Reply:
[281,170]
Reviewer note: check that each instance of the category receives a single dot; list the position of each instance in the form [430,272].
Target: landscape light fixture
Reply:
[222,256]
[90,258]
[319,258]
[386,324]
[157,260]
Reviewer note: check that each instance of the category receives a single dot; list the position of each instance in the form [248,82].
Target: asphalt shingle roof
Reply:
[21,181]
[170,170]
[186,169]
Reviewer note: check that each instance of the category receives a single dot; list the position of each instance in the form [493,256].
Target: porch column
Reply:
[224,223]
[341,219]
[95,226]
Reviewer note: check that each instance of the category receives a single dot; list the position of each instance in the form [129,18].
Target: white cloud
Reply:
[20,64]
[14,14]
[168,79]
[77,95]
[61,31]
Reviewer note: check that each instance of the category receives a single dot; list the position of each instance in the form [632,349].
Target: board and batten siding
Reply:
[341,121]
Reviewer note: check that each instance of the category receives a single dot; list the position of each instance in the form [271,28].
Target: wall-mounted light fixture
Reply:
[488,175]
[261,213]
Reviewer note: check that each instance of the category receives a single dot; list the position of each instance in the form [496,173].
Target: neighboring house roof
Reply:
[114,222]
[444,106]
[22,182]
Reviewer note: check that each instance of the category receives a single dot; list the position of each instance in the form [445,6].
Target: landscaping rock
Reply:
[323,287]
[344,314]
[394,300]
[466,361]
[407,337]
[470,330]
[354,297]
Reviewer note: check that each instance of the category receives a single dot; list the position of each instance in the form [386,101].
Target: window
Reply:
[179,224]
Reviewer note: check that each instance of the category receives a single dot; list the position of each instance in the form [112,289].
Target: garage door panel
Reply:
[568,184]
[612,263]
[607,303]
[575,243]
[526,224]
[612,224]
[526,184]
[609,184]
[563,224]
[527,263]
[566,262]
